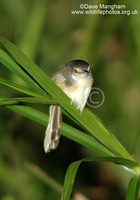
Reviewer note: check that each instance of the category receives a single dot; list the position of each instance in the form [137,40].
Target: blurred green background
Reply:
[51,36]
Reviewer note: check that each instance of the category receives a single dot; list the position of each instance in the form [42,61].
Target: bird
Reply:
[75,79]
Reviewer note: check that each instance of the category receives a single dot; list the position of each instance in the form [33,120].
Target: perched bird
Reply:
[75,79]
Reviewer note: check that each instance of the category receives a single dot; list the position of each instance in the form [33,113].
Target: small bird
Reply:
[75,79]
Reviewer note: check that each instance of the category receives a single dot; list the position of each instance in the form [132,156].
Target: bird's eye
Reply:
[75,71]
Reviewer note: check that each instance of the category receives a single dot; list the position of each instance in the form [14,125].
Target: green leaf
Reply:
[18,100]
[133,188]
[87,119]
[69,179]
[8,62]
[19,88]
[72,170]
[6,102]
[68,131]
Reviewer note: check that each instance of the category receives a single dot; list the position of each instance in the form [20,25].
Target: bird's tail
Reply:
[53,130]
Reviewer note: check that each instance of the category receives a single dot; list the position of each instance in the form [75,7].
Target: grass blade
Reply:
[9,101]
[19,88]
[7,61]
[133,188]
[72,170]
[68,131]
[69,180]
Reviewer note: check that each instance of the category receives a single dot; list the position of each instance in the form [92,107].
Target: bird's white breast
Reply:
[79,92]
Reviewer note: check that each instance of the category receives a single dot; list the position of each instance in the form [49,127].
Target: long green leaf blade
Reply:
[133,188]
[7,61]
[72,170]
[69,180]
[19,88]
[30,100]
[68,131]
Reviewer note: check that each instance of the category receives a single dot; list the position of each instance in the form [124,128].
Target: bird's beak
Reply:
[88,69]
